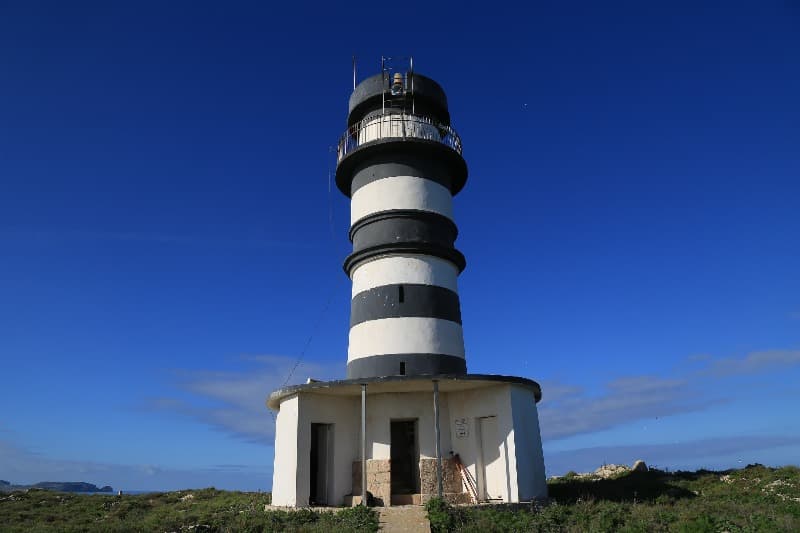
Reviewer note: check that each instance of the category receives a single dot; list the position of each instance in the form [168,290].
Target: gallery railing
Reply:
[396,126]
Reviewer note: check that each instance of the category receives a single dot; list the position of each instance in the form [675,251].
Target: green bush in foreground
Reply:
[753,499]
[206,510]
[440,515]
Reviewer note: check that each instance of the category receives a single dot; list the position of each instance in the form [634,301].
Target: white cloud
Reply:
[573,412]
[754,363]
[234,401]
[567,410]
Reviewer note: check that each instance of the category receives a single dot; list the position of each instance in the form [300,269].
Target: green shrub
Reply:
[358,518]
[754,499]
[440,515]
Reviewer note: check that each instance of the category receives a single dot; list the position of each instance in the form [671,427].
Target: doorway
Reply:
[320,463]
[405,457]
[491,472]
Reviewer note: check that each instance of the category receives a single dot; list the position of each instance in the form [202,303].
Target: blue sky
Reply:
[170,244]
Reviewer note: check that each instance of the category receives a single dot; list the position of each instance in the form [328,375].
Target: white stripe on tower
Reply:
[401,192]
[405,269]
[413,335]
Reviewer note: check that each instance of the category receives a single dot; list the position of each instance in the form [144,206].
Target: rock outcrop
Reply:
[610,471]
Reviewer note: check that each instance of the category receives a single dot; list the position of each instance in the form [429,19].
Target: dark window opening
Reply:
[401,294]
[402,368]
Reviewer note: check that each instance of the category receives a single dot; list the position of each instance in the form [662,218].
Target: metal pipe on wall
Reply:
[364,444]
[438,437]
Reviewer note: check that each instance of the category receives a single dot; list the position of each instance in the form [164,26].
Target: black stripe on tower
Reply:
[403,231]
[411,364]
[403,225]
[392,156]
[406,300]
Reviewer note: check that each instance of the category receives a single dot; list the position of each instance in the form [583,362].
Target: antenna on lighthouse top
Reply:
[354,72]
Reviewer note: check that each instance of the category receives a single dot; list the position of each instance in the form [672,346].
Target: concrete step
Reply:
[403,518]
[406,499]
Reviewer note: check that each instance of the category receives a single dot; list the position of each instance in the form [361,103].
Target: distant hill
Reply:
[60,486]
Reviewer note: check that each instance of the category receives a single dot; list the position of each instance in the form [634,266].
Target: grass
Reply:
[206,510]
[752,499]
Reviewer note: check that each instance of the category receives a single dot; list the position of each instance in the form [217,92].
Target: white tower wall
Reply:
[405,335]
[407,270]
[401,192]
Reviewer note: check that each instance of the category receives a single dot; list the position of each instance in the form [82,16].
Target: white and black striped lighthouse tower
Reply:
[408,422]
[400,163]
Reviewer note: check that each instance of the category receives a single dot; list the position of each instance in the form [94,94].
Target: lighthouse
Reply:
[408,422]
[400,163]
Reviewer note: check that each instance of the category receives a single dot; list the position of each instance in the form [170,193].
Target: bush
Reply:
[440,515]
[358,518]
[754,499]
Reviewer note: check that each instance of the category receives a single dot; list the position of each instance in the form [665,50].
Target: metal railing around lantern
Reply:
[396,126]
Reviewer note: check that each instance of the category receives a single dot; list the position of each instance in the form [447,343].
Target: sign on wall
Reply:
[462,429]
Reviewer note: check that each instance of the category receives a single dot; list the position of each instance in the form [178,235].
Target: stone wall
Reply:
[451,477]
[379,479]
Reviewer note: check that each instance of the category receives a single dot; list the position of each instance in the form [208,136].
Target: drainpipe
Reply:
[438,437]
[364,444]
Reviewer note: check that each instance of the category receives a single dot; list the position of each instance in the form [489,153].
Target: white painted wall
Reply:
[383,408]
[401,192]
[522,463]
[284,473]
[405,269]
[291,478]
[471,405]
[405,335]
[345,415]
[531,480]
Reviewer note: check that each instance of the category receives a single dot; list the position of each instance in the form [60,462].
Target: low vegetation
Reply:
[755,498]
[752,499]
[197,511]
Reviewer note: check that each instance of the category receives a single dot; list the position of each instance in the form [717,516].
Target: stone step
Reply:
[403,518]
[406,499]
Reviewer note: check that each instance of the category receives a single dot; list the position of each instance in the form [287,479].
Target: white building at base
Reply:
[408,418]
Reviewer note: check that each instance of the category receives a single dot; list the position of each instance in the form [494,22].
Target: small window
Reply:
[401,294]
[402,368]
